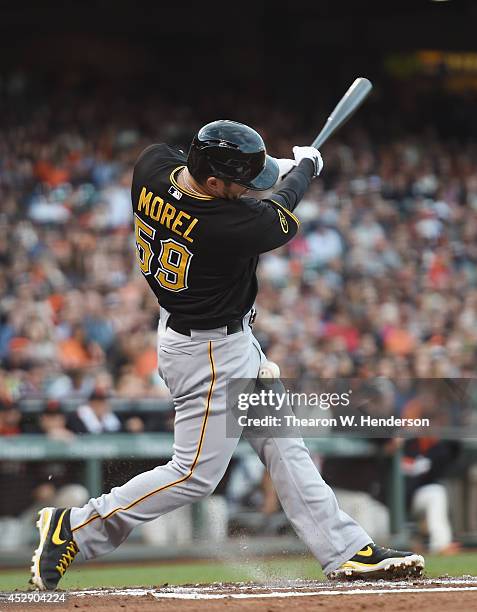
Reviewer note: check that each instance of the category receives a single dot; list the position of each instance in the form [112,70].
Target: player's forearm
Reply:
[294,186]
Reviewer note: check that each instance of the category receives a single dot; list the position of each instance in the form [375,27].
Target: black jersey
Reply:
[199,254]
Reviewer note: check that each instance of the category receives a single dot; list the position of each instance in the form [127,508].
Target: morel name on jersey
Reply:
[178,221]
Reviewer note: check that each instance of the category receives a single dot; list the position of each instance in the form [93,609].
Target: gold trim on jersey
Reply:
[289,212]
[194,463]
[188,192]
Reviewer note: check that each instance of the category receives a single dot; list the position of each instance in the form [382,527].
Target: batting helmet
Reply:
[232,151]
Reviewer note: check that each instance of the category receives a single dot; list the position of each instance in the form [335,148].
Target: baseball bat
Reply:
[348,104]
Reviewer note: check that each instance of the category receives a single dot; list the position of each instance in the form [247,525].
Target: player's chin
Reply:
[245,194]
[258,195]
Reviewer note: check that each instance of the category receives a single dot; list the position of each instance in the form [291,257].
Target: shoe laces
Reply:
[67,557]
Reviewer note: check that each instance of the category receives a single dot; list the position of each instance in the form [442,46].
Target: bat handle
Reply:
[320,139]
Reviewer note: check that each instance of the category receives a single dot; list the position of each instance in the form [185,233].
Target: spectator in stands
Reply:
[426,461]
[96,416]
[52,423]
[10,417]
[77,351]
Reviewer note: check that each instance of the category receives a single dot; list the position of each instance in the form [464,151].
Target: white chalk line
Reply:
[196,593]
[197,596]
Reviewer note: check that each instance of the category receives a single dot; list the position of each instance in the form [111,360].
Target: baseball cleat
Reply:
[378,563]
[56,550]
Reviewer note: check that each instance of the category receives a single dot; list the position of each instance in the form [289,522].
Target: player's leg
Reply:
[311,507]
[309,503]
[340,544]
[196,373]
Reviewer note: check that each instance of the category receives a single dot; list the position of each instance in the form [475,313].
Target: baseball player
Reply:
[198,240]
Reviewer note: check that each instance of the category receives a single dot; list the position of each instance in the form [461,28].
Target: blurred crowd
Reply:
[381,279]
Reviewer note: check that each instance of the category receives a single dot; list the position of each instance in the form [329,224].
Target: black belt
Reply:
[232,327]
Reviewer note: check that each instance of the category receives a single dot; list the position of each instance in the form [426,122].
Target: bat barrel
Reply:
[348,104]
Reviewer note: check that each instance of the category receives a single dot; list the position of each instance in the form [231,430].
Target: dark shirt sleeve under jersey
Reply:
[293,187]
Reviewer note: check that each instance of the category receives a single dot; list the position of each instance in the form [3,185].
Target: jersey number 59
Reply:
[173,258]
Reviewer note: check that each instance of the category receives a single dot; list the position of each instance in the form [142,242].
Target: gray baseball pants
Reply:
[196,370]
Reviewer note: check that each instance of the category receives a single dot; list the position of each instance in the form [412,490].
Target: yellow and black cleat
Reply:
[378,563]
[56,550]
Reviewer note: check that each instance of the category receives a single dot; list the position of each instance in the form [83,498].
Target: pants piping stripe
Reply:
[194,463]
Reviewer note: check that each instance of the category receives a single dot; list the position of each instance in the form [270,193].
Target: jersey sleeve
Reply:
[264,225]
[155,158]
[151,152]
[260,226]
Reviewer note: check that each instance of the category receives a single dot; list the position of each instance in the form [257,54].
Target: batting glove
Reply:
[309,153]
